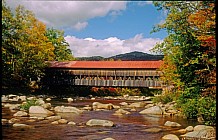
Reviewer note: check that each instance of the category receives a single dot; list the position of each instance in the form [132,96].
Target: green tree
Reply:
[61,51]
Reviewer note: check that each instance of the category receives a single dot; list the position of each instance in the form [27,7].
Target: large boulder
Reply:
[172,124]
[170,137]
[98,122]
[40,110]
[70,109]
[189,128]
[155,110]
[201,127]
[20,114]
[97,105]
[203,133]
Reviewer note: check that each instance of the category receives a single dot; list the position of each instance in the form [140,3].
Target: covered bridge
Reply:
[105,73]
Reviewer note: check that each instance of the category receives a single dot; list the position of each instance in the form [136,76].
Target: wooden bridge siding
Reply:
[128,78]
[122,83]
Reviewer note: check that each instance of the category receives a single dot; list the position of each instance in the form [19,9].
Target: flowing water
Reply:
[127,127]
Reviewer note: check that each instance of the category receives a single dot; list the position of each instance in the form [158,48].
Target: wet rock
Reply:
[22,98]
[4,98]
[40,101]
[148,106]
[108,139]
[98,122]
[53,118]
[203,133]
[97,105]
[48,99]
[46,105]
[20,114]
[89,108]
[172,124]
[13,120]
[62,109]
[156,110]
[62,121]
[170,137]
[12,106]
[54,122]
[69,100]
[39,110]
[137,105]
[153,130]
[121,112]
[201,127]
[19,125]
[189,128]
[181,131]
[71,123]
[124,104]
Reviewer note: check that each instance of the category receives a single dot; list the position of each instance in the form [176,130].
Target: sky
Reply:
[100,28]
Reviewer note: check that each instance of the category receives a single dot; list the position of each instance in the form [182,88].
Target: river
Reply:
[131,126]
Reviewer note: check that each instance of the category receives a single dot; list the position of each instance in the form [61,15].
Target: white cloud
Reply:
[110,46]
[74,14]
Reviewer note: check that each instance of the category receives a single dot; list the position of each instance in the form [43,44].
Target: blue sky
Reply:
[100,28]
[134,20]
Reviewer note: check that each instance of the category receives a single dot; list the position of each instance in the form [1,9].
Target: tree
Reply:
[61,51]
[189,50]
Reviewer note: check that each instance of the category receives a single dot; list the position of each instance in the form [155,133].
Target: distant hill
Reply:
[132,56]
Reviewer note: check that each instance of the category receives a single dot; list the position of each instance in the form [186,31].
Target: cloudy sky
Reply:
[100,28]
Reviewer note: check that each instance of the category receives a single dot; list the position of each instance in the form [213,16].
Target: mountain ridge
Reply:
[131,56]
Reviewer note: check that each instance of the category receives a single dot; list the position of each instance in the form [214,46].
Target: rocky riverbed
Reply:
[95,118]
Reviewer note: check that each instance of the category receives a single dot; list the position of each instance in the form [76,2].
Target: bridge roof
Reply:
[107,64]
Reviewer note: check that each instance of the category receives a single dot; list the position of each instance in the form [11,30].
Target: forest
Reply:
[189,53]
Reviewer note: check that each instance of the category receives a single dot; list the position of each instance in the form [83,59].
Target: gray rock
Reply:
[206,133]
[170,137]
[98,122]
[54,122]
[53,118]
[40,110]
[137,105]
[108,139]
[19,125]
[20,114]
[70,100]
[97,105]
[201,127]
[172,124]
[62,109]
[40,101]
[62,121]
[71,123]
[121,112]
[189,128]
[156,110]
[22,98]
[46,105]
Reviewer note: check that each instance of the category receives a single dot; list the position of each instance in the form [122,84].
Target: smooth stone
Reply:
[155,110]
[39,110]
[62,109]
[22,125]
[53,118]
[189,128]
[98,122]
[172,124]
[170,137]
[201,127]
[62,121]
[54,122]
[20,114]
[71,123]
[70,100]
[48,99]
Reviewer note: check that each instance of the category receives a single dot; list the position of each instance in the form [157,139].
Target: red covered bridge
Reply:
[105,73]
